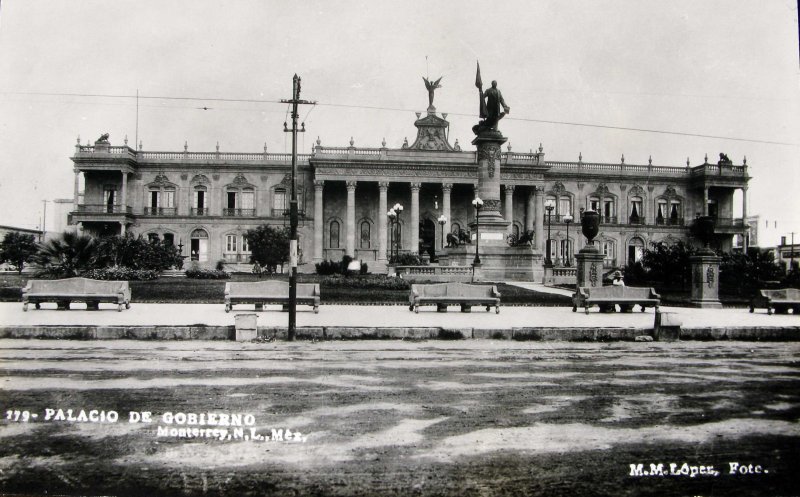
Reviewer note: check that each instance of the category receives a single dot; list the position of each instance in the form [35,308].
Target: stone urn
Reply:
[703,230]
[590,225]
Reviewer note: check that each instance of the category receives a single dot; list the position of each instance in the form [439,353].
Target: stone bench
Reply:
[68,290]
[609,296]
[444,294]
[269,292]
[779,301]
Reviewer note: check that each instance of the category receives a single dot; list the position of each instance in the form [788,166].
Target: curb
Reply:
[203,332]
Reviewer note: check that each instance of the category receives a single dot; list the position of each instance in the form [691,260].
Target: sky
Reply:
[719,68]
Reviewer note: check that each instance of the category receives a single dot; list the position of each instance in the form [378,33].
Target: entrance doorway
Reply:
[427,238]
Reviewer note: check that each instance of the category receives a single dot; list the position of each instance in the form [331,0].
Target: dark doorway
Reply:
[427,238]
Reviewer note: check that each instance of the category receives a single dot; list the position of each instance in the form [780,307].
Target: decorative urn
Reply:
[590,225]
[703,230]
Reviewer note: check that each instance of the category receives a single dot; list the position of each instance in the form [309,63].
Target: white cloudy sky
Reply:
[718,67]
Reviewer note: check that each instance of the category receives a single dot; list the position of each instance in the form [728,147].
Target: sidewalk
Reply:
[143,314]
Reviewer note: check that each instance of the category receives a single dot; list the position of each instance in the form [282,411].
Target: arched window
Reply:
[169,239]
[635,250]
[333,235]
[153,237]
[365,235]
[199,245]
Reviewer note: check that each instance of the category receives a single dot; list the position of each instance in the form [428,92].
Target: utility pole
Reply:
[293,221]
[44,222]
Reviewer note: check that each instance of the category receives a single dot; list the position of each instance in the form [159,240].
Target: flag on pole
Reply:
[478,81]
[483,112]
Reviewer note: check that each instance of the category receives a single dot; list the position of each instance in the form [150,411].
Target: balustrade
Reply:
[199,211]
[103,209]
[159,211]
[239,212]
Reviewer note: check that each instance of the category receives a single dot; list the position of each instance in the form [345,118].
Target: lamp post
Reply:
[478,203]
[442,220]
[567,220]
[392,216]
[397,209]
[549,206]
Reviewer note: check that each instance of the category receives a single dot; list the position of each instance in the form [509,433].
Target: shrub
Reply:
[326,268]
[67,255]
[407,260]
[364,268]
[220,265]
[120,273]
[268,246]
[137,252]
[206,274]
[367,282]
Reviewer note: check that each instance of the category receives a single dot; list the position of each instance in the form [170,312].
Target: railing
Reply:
[523,157]
[608,219]
[669,221]
[727,222]
[435,270]
[199,211]
[637,220]
[239,212]
[279,212]
[160,211]
[222,156]
[724,170]
[90,149]
[236,257]
[103,209]
[631,168]
[569,272]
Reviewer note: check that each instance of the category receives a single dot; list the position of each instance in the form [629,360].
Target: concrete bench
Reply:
[609,296]
[269,292]
[779,301]
[68,290]
[444,294]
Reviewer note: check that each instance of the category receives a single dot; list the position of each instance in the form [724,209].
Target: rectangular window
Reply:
[608,208]
[248,198]
[168,198]
[199,199]
[231,200]
[245,247]
[154,200]
[594,205]
[230,243]
[565,250]
[153,237]
[564,206]
[169,239]
[279,200]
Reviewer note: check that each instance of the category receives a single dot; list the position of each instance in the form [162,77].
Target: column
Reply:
[538,226]
[383,187]
[530,209]
[350,219]
[447,189]
[124,202]
[705,201]
[413,227]
[746,232]
[509,215]
[319,222]
[77,190]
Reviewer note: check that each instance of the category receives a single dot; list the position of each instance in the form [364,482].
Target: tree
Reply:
[668,264]
[268,246]
[744,274]
[136,252]
[67,255]
[17,249]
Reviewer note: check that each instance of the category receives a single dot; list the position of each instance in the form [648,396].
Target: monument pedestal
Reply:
[498,260]
[590,267]
[705,280]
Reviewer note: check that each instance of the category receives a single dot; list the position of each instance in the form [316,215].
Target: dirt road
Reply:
[481,417]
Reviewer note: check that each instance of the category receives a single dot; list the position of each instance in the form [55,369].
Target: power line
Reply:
[395,109]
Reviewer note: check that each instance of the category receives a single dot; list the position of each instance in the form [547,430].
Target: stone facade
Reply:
[206,201]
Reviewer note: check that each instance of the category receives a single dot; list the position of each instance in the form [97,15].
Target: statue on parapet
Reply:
[724,160]
[103,138]
[432,87]
[492,106]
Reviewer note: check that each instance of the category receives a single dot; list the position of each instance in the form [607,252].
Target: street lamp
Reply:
[549,206]
[442,220]
[567,220]
[392,216]
[478,203]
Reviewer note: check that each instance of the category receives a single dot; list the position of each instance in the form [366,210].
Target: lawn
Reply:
[356,289]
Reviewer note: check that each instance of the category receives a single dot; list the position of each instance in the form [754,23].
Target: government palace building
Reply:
[204,202]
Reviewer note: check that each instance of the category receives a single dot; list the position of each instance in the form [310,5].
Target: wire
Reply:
[395,109]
